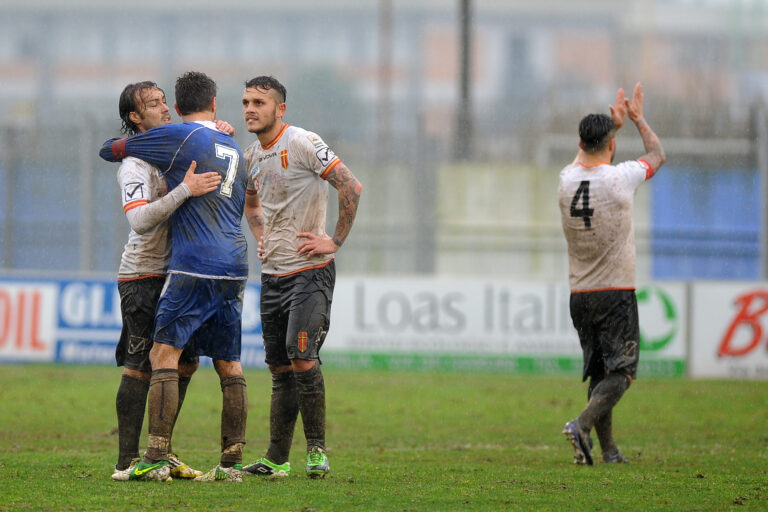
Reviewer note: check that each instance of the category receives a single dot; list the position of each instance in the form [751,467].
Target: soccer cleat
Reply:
[614,458]
[180,469]
[159,471]
[582,444]
[317,463]
[221,474]
[121,475]
[265,467]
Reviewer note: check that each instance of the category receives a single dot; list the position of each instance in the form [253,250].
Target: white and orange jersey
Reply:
[289,176]
[596,214]
[147,254]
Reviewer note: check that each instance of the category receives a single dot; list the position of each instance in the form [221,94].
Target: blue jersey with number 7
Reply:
[206,237]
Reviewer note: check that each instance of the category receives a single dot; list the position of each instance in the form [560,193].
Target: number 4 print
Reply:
[585,212]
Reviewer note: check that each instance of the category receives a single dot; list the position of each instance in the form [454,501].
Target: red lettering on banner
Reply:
[745,318]
[34,334]
[5,317]
[20,320]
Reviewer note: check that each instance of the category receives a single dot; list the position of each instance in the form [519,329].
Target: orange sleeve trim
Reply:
[125,279]
[277,138]
[250,192]
[330,167]
[305,268]
[648,168]
[134,204]
[631,288]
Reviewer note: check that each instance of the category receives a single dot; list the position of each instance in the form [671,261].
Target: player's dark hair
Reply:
[194,92]
[128,103]
[595,131]
[267,83]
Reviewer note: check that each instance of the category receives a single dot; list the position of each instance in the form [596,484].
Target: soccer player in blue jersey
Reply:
[203,295]
[287,198]
[147,204]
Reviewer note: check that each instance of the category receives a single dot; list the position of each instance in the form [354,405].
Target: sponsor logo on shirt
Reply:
[267,156]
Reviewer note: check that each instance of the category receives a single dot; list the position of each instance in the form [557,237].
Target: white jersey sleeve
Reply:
[314,153]
[145,253]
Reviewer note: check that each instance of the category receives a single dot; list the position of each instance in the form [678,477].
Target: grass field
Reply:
[398,441]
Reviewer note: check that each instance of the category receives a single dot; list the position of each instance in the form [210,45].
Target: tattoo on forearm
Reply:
[255,221]
[348,189]
[654,152]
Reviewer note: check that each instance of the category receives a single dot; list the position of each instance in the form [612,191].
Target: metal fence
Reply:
[421,212]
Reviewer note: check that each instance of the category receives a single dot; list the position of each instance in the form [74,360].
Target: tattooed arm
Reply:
[254,214]
[654,153]
[348,189]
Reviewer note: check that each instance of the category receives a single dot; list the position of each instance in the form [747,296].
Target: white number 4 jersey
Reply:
[596,214]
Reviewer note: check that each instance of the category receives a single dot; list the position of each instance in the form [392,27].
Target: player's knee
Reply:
[164,356]
[622,373]
[137,374]
[227,368]
[188,369]
[274,369]
[301,365]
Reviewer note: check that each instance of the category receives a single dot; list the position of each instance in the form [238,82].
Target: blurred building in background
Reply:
[379,80]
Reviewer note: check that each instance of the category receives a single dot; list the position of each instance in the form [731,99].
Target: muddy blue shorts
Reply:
[203,311]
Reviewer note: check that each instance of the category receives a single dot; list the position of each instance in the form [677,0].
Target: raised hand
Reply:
[619,111]
[635,109]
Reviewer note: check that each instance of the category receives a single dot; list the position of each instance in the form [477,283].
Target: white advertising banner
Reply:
[730,330]
[453,324]
[413,324]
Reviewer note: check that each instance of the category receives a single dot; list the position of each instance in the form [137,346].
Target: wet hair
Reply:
[130,101]
[595,131]
[194,92]
[268,83]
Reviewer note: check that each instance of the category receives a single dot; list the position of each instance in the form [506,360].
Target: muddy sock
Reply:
[604,430]
[283,411]
[604,396]
[162,406]
[311,393]
[234,411]
[130,404]
[183,384]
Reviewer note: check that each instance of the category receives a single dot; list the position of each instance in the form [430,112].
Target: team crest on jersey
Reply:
[302,341]
[284,158]
[134,191]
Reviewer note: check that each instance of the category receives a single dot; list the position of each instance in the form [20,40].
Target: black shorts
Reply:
[296,314]
[609,331]
[138,299]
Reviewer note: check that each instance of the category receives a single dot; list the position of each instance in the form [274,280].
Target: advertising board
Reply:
[729,336]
